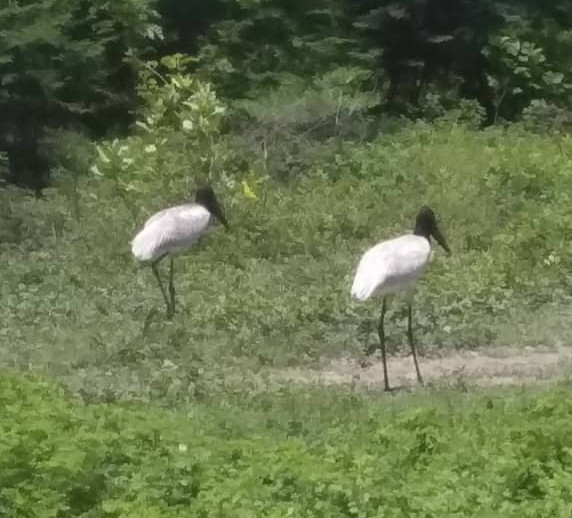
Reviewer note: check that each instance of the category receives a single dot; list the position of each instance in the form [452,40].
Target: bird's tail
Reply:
[362,288]
[143,248]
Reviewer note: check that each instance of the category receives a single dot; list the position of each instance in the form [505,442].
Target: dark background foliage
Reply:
[63,62]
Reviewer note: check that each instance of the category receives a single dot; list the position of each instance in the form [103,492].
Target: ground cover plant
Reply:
[313,453]
[274,291]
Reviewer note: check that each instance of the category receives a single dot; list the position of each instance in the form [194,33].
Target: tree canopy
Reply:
[63,63]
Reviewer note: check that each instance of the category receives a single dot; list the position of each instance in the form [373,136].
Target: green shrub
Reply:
[542,116]
[313,453]
[175,140]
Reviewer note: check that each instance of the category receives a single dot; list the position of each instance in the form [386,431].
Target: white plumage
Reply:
[173,230]
[170,231]
[393,266]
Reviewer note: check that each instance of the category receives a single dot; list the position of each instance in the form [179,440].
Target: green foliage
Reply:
[259,45]
[312,454]
[440,110]
[55,51]
[62,65]
[310,176]
[176,101]
[520,69]
[274,291]
[26,225]
[501,54]
[542,116]
[179,116]
[281,129]
[71,154]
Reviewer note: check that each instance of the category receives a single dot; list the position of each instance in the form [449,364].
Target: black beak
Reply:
[440,238]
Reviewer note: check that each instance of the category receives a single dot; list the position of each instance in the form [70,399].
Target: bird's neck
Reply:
[422,231]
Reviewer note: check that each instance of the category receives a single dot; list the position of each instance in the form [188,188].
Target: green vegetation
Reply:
[312,454]
[63,65]
[323,126]
[73,65]
[274,291]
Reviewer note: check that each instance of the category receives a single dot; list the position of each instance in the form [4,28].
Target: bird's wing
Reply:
[398,261]
[158,215]
[169,230]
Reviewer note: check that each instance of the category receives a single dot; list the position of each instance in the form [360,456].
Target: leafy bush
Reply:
[520,72]
[174,144]
[298,454]
[442,111]
[541,116]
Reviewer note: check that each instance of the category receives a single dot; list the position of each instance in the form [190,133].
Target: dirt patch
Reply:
[498,366]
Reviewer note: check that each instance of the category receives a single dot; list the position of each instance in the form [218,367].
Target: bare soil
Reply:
[484,367]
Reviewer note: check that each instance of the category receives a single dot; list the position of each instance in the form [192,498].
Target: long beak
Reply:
[440,238]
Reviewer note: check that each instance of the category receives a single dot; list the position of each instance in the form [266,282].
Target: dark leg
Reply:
[412,343]
[158,277]
[171,286]
[381,333]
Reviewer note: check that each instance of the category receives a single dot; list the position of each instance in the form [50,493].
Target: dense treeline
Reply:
[73,64]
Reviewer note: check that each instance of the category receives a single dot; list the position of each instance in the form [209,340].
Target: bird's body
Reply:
[174,230]
[394,266]
[171,231]
[391,266]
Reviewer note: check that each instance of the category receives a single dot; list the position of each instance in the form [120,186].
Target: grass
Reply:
[274,291]
[177,418]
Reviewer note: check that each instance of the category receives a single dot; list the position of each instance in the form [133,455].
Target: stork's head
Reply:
[426,226]
[206,197]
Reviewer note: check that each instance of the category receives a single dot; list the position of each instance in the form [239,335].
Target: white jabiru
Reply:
[394,266]
[172,231]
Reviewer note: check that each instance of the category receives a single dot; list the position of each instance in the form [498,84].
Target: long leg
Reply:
[158,277]
[171,285]
[412,343]
[381,333]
